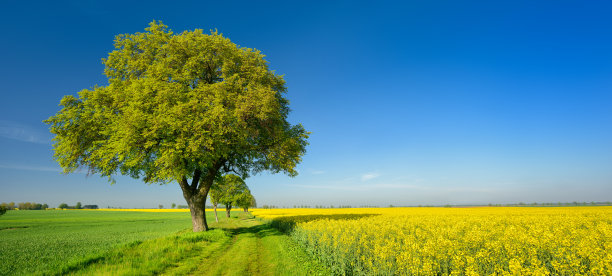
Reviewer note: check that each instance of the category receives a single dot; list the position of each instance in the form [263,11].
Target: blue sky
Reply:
[408,102]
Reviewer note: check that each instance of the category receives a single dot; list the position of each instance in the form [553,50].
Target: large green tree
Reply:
[182,107]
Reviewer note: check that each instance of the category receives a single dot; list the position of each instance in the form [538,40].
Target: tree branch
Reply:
[196,179]
[207,180]
[187,190]
[227,167]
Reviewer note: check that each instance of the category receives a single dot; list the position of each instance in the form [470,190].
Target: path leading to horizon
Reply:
[238,246]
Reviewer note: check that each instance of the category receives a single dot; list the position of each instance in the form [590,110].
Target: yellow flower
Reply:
[456,241]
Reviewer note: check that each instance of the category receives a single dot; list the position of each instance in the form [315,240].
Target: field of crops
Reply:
[38,241]
[456,241]
[145,242]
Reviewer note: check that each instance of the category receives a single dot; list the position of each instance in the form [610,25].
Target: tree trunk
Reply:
[215,207]
[227,210]
[195,194]
[198,214]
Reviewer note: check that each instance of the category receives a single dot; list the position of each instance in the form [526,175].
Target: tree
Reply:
[8,206]
[215,195]
[245,200]
[3,210]
[78,205]
[180,107]
[228,191]
[161,206]
[63,206]
[173,205]
[30,206]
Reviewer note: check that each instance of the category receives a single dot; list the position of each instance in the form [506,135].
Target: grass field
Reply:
[36,241]
[454,241]
[57,242]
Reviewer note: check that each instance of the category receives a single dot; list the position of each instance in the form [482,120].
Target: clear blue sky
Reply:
[408,102]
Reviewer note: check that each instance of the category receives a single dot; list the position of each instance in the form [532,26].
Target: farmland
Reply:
[353,241]
[141,243]
[457,241]
[34,241]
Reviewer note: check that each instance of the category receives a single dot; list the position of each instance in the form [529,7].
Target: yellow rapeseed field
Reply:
[455,241]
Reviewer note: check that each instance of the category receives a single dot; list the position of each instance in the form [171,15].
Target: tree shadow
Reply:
[288,223]
[261,230]
[284,225]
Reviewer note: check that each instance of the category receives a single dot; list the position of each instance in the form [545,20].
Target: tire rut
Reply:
[224,260]
[204,258]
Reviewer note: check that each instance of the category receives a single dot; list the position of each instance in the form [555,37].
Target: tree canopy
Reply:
[180,107]
[245,200]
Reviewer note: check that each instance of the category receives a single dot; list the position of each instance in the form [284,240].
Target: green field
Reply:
[137,243]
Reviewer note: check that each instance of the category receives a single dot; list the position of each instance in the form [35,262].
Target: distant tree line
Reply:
[77,206]
[533,204]
[23,206]
[8,206]
[327,207]
[321,206]
[575,203]
[520,204]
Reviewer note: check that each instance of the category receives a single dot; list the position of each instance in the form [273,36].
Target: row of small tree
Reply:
[230,190]
[66,206]
[23,206]
[77,206]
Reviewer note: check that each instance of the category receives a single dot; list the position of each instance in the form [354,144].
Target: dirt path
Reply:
[244,255]
[254,248]
[240,245]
